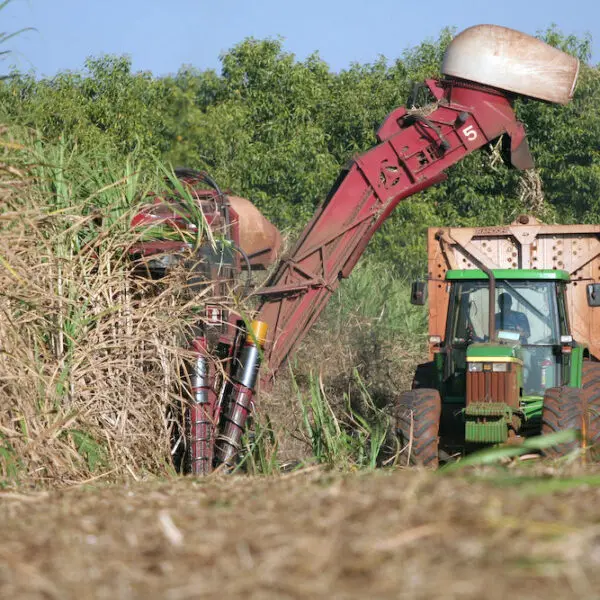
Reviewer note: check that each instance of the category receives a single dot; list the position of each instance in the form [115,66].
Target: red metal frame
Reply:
[412,155]
[203,410]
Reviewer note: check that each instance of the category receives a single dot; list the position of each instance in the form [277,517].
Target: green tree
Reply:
[279,130]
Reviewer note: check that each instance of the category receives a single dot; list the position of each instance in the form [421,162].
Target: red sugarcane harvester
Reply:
[485,68]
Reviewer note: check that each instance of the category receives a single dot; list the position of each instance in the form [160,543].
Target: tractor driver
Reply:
[511,320]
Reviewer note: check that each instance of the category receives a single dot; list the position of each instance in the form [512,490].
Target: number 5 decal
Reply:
[470,133]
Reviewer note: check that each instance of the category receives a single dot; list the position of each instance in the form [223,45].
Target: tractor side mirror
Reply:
[418,294]
[593,294]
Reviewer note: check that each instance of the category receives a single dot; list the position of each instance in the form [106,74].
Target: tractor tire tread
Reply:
[574,408]
[419,410]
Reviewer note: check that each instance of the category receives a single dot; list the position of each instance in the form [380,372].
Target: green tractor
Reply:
[506,363]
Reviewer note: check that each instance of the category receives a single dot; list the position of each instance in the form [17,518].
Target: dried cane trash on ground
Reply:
[387,534]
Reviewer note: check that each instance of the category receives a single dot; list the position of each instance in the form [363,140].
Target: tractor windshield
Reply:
[526,307]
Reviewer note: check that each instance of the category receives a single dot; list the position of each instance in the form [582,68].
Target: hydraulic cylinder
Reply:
[242,390]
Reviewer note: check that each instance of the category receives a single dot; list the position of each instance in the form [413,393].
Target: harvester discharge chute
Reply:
[471,110]
[485,68]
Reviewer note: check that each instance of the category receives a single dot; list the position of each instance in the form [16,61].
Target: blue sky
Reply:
[162,35]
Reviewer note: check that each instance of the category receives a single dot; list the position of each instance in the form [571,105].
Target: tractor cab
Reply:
[530,317]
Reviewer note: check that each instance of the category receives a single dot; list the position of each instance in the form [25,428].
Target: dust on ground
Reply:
[388,534]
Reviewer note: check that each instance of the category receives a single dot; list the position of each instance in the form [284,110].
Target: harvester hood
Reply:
[512,61]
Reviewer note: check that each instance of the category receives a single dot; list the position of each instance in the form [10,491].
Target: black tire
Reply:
[563,409]
[591,385]
[575,408]
[425,376]
[417,424]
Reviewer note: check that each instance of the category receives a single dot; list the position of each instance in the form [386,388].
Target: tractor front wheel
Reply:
[575,408]
[417,423]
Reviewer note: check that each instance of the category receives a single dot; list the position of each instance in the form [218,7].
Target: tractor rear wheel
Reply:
[575,408]
[417,423]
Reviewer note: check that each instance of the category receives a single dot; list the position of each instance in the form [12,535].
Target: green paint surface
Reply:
[537,274]
[487,351]
[576,366]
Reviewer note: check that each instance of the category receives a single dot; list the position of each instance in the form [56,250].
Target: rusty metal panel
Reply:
[525,244]
[437,287]
[258,237]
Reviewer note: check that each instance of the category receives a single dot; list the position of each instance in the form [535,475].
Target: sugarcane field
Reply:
[299,304]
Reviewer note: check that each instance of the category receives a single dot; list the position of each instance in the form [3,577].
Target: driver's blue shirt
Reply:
[512,320]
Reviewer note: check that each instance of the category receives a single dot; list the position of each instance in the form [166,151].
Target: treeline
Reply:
[278,130]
